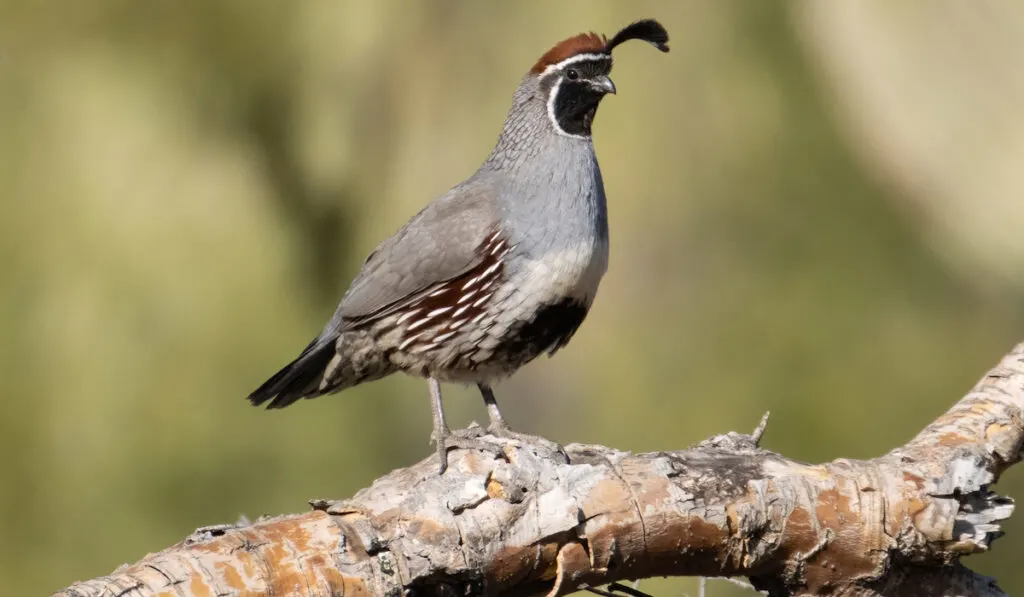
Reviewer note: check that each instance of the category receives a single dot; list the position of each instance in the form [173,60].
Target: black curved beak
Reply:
[602,84]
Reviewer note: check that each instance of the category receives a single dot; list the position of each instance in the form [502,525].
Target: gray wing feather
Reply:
[439,243]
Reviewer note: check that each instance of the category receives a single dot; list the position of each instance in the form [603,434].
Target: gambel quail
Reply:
[501,268]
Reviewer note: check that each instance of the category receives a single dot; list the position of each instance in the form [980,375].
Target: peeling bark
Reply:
[527,521]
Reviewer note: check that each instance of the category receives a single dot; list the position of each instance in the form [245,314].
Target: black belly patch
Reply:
[550,329]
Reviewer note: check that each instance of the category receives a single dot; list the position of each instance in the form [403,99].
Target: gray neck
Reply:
[529,133]
[546,176]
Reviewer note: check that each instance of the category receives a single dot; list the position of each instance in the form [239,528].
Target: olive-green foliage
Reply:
[188,186]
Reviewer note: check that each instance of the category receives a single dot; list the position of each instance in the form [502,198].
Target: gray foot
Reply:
[505,432]
[464,439]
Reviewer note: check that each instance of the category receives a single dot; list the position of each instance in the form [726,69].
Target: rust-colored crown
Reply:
[584,43]
[647,30]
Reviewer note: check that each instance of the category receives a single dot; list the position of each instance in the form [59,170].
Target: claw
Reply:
[465,439]
[504,432]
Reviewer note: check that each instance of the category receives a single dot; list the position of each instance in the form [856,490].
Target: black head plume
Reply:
[648,30]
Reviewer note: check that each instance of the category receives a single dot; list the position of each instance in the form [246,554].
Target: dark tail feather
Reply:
[298,379]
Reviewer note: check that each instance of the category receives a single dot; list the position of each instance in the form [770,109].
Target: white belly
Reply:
[571,272]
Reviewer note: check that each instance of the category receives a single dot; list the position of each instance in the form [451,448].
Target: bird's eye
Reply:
[572,74]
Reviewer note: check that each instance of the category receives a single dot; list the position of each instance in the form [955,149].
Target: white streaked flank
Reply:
[418,323]
[408,315]
[409,341]
[443,337]
[480,301]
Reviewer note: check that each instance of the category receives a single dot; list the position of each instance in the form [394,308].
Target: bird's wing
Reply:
[439,243]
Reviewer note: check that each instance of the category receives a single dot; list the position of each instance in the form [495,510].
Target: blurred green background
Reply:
[816,208]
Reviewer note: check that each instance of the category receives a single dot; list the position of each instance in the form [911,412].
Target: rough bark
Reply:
[527,520]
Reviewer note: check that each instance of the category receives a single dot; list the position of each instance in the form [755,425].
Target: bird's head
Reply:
[573,75]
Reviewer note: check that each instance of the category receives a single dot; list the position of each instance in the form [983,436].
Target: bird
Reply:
[495,272]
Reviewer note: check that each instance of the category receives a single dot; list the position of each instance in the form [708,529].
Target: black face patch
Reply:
[575,106]
[576,99]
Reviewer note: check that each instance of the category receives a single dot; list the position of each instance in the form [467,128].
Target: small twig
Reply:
[740,583]
[615,590]
[759,430]
[628,590]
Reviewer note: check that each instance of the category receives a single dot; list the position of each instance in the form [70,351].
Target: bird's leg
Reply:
[498,424]
[499,428]
[445,439]
[441,431]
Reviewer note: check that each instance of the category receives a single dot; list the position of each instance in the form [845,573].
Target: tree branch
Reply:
[524,521]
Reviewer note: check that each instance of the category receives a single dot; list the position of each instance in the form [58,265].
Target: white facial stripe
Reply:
[573,60]
[551,113]
[554,88]
[551,109]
